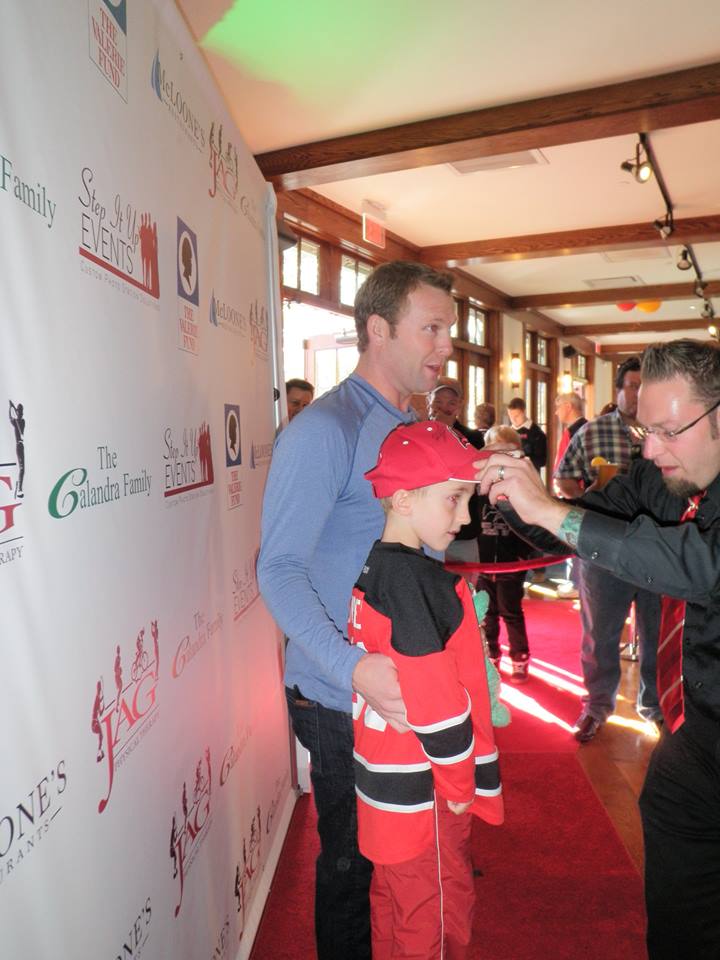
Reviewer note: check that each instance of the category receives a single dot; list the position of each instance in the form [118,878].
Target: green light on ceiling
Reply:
[318,48]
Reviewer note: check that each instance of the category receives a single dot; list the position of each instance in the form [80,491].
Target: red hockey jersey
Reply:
[408,607]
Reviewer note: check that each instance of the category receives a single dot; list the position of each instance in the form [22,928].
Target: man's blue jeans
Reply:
[604,606]
[342,874]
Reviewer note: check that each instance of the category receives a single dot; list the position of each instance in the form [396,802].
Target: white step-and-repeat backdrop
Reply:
[144,775]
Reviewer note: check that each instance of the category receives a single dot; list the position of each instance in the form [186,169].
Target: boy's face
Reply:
[438,512]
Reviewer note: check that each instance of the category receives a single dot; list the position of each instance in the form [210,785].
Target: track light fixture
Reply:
[641,167]
[707,311]
[683,261]
[699,288]
[665,226]
[713,331]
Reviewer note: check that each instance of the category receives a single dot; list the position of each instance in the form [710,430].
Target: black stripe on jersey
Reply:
[487,777]
[399,788]
[443,746]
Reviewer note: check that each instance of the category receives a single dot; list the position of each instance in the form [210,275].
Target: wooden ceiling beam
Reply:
[586,298]
[626,236]
[636,326]
[646,104]
[626,349]
[551,328]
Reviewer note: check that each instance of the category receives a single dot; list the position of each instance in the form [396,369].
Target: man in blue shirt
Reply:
[319,522]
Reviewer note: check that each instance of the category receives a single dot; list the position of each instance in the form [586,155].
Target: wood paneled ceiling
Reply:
[566,237]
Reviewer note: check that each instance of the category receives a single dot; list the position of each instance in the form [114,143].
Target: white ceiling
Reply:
[309,71]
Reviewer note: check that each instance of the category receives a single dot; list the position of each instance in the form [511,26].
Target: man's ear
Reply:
[402,502]
[378,328]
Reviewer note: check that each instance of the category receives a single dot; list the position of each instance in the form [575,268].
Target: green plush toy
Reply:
[499,712]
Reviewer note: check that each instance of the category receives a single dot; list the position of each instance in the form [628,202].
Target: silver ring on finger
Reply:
[501,472]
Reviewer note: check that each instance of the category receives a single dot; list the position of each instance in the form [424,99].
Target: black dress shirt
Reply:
[632,529]
[534,444]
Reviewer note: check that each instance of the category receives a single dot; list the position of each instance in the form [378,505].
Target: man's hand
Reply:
[458,808]
[375,679]
[517,480]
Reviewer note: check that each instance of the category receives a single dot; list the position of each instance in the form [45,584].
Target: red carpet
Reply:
[556,881]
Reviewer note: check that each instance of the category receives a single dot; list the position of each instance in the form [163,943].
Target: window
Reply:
[581,367]
[455,328]
[451,369]
[541,405]
[475,391]
[529,347]
[353,274]
[542,351]
[476,325]
[301,266]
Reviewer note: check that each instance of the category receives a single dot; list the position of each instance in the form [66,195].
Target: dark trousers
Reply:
[506,596]
[342,874]
[680,807]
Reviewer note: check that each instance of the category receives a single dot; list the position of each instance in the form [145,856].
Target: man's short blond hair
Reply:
[503,434]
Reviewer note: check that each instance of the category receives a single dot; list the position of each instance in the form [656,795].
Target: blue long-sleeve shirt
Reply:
[319,521]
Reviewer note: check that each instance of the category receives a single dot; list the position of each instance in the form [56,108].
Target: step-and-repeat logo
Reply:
[225,315]
[126,709]
[85,488]
[188,463]
[259,329]
[12,478]
[249,870]
[203,631]
[260,454]
[35,195]
[223,166]
[233,455]
[138,934]
[118,238]
[188,288]
[169,93]
[107,24]
[245,590]
[25,822]
[188,830]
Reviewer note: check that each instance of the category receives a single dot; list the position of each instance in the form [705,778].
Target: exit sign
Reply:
[373,231]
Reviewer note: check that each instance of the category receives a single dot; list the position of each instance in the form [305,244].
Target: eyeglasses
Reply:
[641,433]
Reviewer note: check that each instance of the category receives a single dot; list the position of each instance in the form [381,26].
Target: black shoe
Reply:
[586,727]
[519,671]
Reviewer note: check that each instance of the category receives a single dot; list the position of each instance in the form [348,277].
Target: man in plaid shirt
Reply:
[604,600]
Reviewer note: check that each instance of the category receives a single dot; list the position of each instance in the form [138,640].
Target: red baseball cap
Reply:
[418,454]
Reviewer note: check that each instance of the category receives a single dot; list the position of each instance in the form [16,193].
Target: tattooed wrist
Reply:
[570,527]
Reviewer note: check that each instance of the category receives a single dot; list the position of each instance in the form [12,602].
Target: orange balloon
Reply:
[649,306]
[627,305]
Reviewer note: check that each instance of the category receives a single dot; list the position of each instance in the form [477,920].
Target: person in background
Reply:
[498,544]
[299,394]
[608,408]
[604,599]
[569,411]
[445,406]
[534,440]
[484,417]
[416,791]
[658,527]
[319,522]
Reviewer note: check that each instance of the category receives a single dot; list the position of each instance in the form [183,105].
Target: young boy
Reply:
[416,789]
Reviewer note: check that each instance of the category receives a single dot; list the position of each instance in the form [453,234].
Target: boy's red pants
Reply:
[422,909]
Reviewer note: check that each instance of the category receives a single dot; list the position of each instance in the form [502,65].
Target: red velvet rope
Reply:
[511,566]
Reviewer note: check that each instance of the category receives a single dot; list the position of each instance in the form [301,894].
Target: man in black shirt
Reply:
[633,528]
[534,440]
